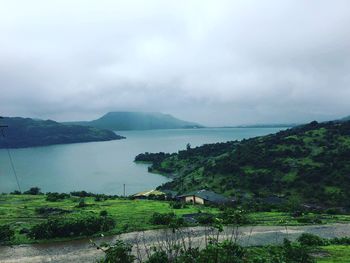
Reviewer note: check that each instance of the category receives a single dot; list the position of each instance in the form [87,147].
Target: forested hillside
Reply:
[26,132]
[309,162]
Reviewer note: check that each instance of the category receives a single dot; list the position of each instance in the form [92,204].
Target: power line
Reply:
[10,158]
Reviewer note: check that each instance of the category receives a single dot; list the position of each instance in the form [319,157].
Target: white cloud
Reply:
[217,62]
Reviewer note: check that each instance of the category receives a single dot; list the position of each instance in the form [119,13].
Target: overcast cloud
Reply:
[214,62]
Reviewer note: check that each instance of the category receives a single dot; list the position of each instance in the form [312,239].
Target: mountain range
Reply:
[124,120]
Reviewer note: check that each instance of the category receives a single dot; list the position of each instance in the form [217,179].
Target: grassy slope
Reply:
[310,162]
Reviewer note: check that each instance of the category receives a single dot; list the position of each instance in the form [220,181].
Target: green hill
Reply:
[309,162]
[26,132]
[138,121]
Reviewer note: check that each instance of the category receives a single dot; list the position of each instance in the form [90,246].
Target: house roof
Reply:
[148,193]
[208,195]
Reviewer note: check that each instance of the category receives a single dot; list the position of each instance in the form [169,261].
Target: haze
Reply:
[213,62]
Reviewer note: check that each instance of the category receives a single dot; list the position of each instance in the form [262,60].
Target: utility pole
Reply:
[124,189]
[9,155]
[2,126]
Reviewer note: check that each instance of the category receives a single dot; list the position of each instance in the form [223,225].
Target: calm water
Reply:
[103,167]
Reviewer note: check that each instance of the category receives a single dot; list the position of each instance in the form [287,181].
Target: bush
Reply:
[71,227]
[6,233]
[103,213]
[294,253]
[162,219]
[313,219]
[206,219]
[340,241]
[120,252]
[158,257]
[308,239]
[16,192]
[50,210]
[33,191]
[54,197]
[224,252]
[177,205]
[235,217]
[81,204]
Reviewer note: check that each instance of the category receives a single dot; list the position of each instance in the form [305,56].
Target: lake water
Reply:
[103,167]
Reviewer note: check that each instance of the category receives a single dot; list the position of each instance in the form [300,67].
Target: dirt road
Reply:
[82,251]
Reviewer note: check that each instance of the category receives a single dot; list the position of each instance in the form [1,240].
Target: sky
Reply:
[214,62]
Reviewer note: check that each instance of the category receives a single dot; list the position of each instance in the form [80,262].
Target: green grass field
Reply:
[334,254]
[130,215]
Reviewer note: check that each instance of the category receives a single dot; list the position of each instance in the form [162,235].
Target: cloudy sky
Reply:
[215,62]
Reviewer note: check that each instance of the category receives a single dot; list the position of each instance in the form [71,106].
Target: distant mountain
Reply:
[137,121]
[345,118]
[278,125]
[26,132]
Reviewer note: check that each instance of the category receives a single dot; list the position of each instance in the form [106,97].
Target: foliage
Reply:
[23,212]
[6,233]
[66,227]
[33,191]
[54,197]
[162,219]
[120,252]
[235,217]
[308,239]
[310,163]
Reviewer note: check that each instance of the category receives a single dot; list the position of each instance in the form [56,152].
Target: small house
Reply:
[204,197]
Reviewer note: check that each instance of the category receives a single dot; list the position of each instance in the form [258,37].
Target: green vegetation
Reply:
[24,212]
[309,164]
[26,132]
[214,251]
[334,254]
[119,121]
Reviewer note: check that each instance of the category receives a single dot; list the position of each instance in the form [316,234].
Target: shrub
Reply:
[162,219]
[177,205]
[33,191]
[205,219]
[294,253]
[120,252]
[340,241]
[235,217]
[50,210]
[308,239]
[6,233]
[103,213]
[54,197]
[158,257]
[224,252]
[313,219]
[71,227]
[81,204]
[16,192]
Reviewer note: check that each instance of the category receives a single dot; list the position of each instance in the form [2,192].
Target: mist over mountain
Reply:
[123,120]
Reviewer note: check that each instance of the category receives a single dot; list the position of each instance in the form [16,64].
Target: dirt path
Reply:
[81,250]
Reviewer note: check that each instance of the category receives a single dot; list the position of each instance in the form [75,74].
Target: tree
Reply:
[33,191]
